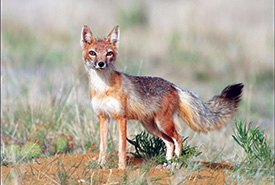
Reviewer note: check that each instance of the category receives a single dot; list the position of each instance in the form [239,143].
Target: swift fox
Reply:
[153,101]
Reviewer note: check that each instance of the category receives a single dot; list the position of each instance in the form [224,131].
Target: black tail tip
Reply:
[233,92]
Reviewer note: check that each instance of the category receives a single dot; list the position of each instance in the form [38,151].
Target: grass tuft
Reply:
[259,162]
[254,143]
[150,147]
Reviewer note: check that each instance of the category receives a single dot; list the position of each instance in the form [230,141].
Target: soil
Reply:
[75,169]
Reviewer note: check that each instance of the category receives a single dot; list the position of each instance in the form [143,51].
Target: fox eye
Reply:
[92,53]
[110,53]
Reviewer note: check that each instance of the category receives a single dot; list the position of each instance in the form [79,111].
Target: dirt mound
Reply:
[78,169]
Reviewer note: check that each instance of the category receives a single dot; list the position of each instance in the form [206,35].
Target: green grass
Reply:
[259,162]
[152,148]
[254,143]
[33,51]
[147,147]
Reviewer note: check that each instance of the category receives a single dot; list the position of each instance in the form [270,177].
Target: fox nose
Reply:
[101,64]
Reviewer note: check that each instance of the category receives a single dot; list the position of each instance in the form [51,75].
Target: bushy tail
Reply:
[212,115]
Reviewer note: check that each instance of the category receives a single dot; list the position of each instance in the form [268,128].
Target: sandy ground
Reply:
[73,169]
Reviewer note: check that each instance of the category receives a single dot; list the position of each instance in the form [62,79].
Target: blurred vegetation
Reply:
[27,50]
[134,15]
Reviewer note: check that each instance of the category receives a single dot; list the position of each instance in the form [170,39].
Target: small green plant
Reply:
[40,135]
[148,147]
[30,150]
[254,143]
[62,143]
[12,152]
[91,147]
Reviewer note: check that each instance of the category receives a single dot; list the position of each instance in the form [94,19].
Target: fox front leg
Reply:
[103,128]
[122,128]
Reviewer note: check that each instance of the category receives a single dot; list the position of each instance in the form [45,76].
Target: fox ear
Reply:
[86,36]
[113,36]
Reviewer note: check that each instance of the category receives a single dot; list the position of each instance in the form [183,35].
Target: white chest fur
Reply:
[101,102]
[99,80]
[106,105]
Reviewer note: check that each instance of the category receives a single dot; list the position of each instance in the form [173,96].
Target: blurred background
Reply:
[202,46]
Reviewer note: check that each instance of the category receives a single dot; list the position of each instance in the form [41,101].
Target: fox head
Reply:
[99,54]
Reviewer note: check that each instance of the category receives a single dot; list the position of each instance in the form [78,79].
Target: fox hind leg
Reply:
[167,127]
[170,142]
[169,148]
